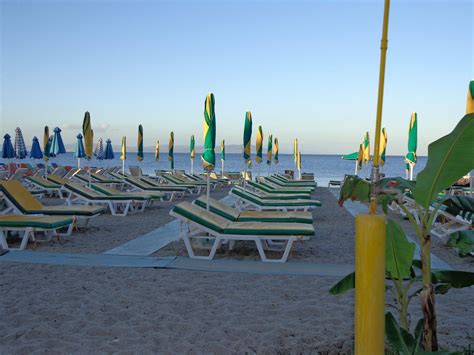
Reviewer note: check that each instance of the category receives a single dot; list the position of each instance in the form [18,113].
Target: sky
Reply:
[305,69]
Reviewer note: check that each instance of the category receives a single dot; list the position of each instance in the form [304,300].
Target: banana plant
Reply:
[449,158]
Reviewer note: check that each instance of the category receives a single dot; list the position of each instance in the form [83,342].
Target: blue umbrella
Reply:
[36,152]
[7,149]
[109,152]
[79,151]
[99,150]
[57,145]
[20,146]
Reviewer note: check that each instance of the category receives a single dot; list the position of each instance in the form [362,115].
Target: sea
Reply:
[324,167]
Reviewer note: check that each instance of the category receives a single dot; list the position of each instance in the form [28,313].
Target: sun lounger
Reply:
[136,195]
[145,186]
[247,198]
[233,214]
[205,224]
[29,225]
[271,189]
[276,196]
[278,180]
[171,180]
[95,178]
[119,205]
[49,186]
[20,201]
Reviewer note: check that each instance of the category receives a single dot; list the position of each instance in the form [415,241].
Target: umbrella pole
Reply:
[78,163]
[411,172]
[207,189]
[355,171]
[222,173]
[192,167]
[46,169]
[245,174]
[123,168]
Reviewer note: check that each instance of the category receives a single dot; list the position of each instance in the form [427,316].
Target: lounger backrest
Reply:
[20,196]
[83,191]
[57,179]
[149,181]
[137,182]
[218,207]
[201,216]
[105,190]
[245,194]
[43,182]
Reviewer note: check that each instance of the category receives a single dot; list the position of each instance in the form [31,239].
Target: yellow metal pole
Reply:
[370,245]
[370,284]
[378,122]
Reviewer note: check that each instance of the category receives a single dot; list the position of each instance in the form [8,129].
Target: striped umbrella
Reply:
[57,145]
[366,146]
[360,158]
[383,147]
[270,149]
[99,150]
[46,145]
[171,150]
[275,151]
[109,151]
[222,156]
[20,146]
[247,142]
[79,151]
[258,145]
[140,143]
[192,153]
[410,158]
[247,135]
[209,135]
[8,152]
[123,155]
[35,152]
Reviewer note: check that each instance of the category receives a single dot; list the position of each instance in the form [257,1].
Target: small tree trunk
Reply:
[427,295]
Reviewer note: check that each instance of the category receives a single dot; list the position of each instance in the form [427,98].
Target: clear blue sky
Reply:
[306,69]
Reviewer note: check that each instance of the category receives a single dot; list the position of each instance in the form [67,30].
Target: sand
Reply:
[62,309]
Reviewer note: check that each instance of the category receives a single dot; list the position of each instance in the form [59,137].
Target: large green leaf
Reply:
[449,158]
[354,188]
[344,285]
[398,338]
[457,279]
[460,205]
[399,252]
[463,241]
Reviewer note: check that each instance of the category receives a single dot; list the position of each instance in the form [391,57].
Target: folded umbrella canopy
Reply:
[79,151]
[360,158]
[35,152]
[140,143]
[109,151]
[99,150]
[8,152]
[270,149]
[247,143]
[410,158]
[171,150]
[222,156]
[209,134]
[383,147]
[88,134]
[366,146]
[276,151]
[20,146]
[157,151]
[46,145]
[123,155]
[57,145]
[192,153]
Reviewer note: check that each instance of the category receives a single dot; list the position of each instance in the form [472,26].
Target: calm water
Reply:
[325,167]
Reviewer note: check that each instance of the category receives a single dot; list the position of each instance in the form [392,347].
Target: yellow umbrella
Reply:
[123,156]
[366,146]
[157,151]
[383,147]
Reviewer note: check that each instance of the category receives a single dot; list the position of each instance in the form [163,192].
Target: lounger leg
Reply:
[284,257]
[26,237]
[3,239]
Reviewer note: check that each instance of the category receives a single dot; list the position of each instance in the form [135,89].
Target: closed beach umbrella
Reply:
[222,155]
[295,150]
[383,147]
[140,143]
[79,151]
[57,145]
[20,146]
[123,155]
[270,149]
[276,151]
[8,152]
[171,150]
[99,150]
[36,152]
[157,151]
[109,151]
[360,158]
[410,158]
[247,142]
[192,152]
[366,146]
[209,136]
[298,164]
[46,145]
[88,135]
[258,145]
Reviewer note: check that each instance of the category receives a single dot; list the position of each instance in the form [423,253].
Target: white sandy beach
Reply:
[64,309]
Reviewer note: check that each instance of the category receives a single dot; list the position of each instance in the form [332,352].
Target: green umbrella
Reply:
[366,147]
[410,158]
[351,156]
[140,143]
[383,147]
[247,142]
[209,134]
[270,150]
[171,150]
[222,156]
[275,151]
